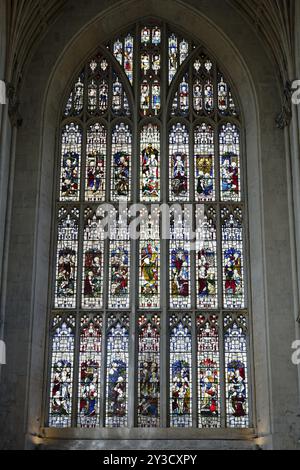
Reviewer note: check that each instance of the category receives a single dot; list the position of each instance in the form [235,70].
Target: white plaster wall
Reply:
[234,43]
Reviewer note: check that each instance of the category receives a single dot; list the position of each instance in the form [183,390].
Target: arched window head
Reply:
[149,320]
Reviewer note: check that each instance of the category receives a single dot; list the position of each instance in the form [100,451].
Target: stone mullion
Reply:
[164,275]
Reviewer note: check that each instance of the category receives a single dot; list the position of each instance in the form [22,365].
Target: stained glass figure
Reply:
[206,259]
[237,401]
[209,96]
[128,57]
[149,371]
[179,162]
[67,252]
[180,371]
[229,140]
[121,162]
[90,372]
[208,371]
[123,50]
[93,252]
[173,53]
[150,63]
[233,258]
[180,275]
[198,97]
[62,367]
[204,151]
[71,148]
[226,103]
[178,51]
[75,101]
[184,96]
[119,265]
[92,96]
[150,163]
[117,371]
[120,105]
[156,36]
[96,152]
[149,292]
[103,96]
[156,97]
[145,97]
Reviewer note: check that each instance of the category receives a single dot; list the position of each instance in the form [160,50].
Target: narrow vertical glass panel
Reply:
[208,371]
[156,36]
[93,252]
[233,258]
[173,54]
[128,57]
[229,140]
[209,103]
[145,63]
[145,97]
[237,402]
[180,270]
[150,163]
[96,154]
[121,162]
[156,63]
[90,372]
[117,96]
[92,96]
[183,51]
[78,95]
[103,96]
[156,97]
[149,292]
[74,105]
[117,371]
[62,366]
[204,151]
[119,264]
[179,162]
[197,96]
[184,98]
[222,95]
[180,371]
[70,163]
[206,261]
[118,51]
[149,371]
[146,36]
[67,252]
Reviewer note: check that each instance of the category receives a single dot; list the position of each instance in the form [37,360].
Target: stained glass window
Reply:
[93,253]
[180,259]
[233,258]
[117,371]
[150,163]
[206,262]
[96,162]
[90,361]
[179,163]
[62,369]
[119,263]
[121,162]
[204,151]
[149,293]
[149,371]
[236,363]
[180,371]
[150,232]
[67,258]
[208,371]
